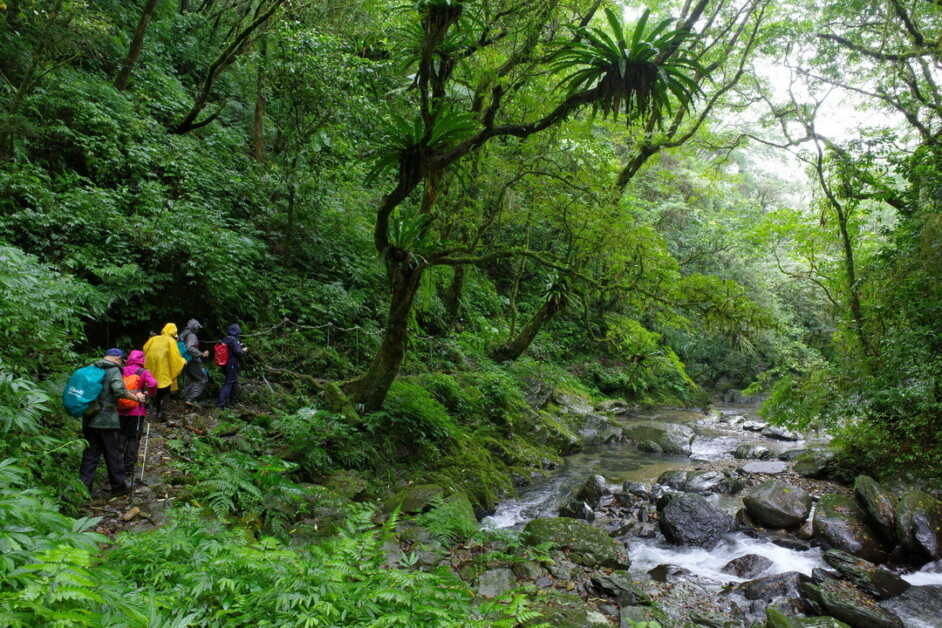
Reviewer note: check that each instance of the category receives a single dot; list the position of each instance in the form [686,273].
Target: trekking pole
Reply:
[144,461]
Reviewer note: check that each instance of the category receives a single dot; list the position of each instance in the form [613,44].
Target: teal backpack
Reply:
[82,390]
[181,346]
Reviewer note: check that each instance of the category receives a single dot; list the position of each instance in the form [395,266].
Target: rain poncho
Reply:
[162,357]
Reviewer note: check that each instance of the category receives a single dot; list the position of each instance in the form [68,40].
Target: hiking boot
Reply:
[124,490]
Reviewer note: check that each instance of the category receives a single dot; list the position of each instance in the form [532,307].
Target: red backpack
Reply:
[221,354]
[133,383]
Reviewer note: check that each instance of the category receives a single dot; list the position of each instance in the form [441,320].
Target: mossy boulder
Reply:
[672,438]
[840,523]
[775,504]
[879,503]
[816,463]
[774,618]
[583,543]
[415,499]
[919,524]
[843,601]
[875,581]
[347,483]
[567,611]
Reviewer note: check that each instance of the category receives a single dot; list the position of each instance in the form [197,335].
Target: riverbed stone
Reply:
[631,616]
[765,467]
[583,543]
[749,451]
[754,426]
[815,463]
[593,490]
[675,479]
[786,584]
[747,566]
[577,509]
[775,504]
[689,519]
[917,604]
[703,481]
[775,618]
[673,438]
[876,581]
[879,503]
[919,524]
[493,582]
[839,523]
[566,610]
[844,602]
[649,447]
[780,433]
[620,586]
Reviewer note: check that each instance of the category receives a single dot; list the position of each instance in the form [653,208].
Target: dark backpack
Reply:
[221,354]
[82,390]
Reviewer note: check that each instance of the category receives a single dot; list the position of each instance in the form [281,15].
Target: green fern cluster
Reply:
[255,490]
[205,576]
[49,568]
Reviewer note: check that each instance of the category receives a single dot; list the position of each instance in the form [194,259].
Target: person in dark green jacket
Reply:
[102,428]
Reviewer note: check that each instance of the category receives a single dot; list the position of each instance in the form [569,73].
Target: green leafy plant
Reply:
[637,72]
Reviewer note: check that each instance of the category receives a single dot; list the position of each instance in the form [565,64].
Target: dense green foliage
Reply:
[422,225]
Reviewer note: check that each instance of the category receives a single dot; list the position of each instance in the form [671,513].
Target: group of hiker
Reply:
[111,395]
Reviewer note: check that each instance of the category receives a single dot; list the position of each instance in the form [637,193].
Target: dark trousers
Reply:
[160,402]
[195,379]
[230,388]
[131,429]
[107,443]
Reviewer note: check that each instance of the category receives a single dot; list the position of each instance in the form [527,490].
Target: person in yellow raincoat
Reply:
[162,358]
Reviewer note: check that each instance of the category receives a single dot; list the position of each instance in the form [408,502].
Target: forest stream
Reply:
[712,449]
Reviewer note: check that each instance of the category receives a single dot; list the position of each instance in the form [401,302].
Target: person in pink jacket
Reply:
[132,414]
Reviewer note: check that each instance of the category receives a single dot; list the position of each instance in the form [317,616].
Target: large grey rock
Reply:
[775,618]
[689,519]
[918,606]
[879,503]
[775,504]
[780,585]
[566,610]
[780,433]
[919,524]
[748,566]
[671,437]
[584,544]
[815,463]
[593,490]
[703,481]
[844,602]
[675,479]
[873,580]
[752,452]
[494,582]
[620,585]
[839,523]
[765,467]
[577,509]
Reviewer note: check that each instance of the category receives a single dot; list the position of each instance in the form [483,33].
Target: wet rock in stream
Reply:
[689,519]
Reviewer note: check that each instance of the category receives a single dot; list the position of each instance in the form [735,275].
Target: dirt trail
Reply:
[146,506]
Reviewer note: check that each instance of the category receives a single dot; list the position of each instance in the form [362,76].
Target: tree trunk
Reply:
[370,389]
[137,42]
[515,348]
[259,136]
[453,297]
